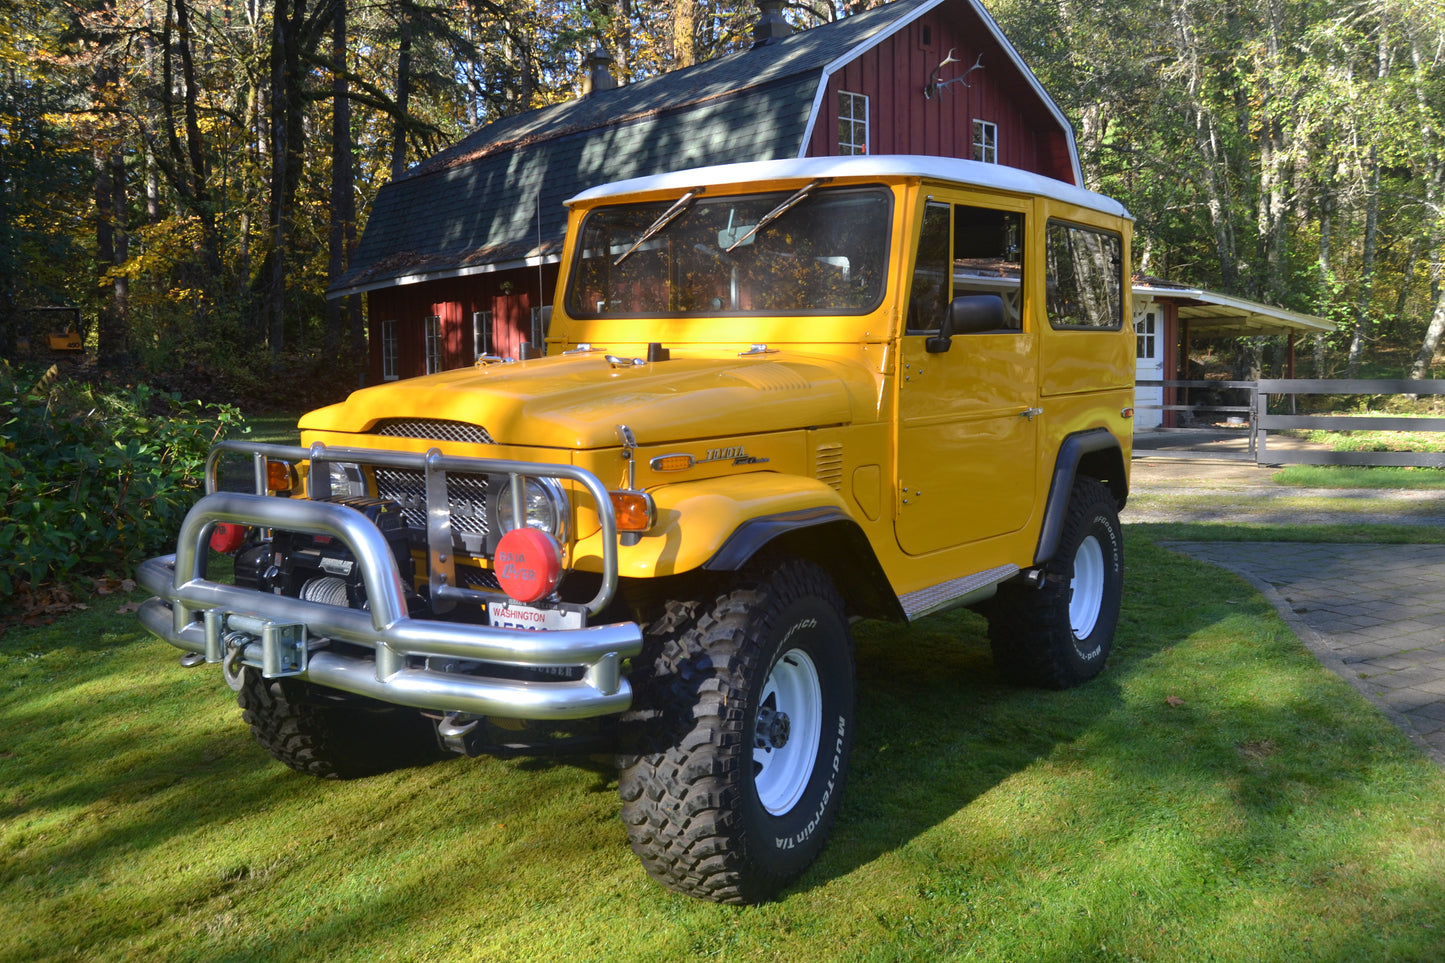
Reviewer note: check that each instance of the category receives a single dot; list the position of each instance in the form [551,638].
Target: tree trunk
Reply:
[113,337]
[1434,171]
[286,142]
[342,205]
[1433,334]
[104,234]
[403,93]
[1208,141]
[1367,266]
[196,153]
[684,38]
[1372,225]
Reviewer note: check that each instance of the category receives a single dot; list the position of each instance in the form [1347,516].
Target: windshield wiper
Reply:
[668,216]
[778,211]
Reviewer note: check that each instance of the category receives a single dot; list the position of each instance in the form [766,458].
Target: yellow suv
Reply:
[774,398]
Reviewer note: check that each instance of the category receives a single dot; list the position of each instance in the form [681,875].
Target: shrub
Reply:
[95,479]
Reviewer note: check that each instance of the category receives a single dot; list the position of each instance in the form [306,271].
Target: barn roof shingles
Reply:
[492,196]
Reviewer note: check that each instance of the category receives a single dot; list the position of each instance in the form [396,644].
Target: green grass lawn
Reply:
[279,429]
[1358,476]
[1215,795]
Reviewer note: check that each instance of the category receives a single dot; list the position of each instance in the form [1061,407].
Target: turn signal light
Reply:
[280,476]
[672,463]
[634,510]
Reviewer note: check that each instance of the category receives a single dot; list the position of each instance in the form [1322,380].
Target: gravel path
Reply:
[1180,490]
[1285,506]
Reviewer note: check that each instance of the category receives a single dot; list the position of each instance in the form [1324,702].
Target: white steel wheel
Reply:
[1086,588]
[787,732]
[1058,634]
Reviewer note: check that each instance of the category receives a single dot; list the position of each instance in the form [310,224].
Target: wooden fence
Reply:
[1260,422]
[1291,386]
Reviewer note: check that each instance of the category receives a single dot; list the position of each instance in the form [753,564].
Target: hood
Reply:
[577,401]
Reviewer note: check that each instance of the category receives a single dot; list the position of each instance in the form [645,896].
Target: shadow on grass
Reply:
[1046,823]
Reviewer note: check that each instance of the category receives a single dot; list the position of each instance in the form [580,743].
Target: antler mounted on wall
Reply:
[934,85]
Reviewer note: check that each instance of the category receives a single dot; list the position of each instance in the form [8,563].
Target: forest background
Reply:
[192,173]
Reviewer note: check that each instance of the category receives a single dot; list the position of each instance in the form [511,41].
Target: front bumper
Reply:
[206,617]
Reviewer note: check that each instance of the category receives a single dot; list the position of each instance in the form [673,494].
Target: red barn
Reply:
[459,257]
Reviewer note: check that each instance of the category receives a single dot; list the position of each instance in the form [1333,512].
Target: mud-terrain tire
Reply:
[1060,634]
[740,735]
[332,739]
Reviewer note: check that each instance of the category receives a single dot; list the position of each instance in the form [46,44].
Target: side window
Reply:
[388,351]
[982,254]
[985,141]
[433,344]
[1085,277]
[481,333]
[852,123]
[1145,332]
[988,258]
[929,294]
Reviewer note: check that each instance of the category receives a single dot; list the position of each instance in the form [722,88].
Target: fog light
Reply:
[226,537]
[528,564]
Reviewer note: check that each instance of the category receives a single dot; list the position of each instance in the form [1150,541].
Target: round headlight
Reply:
[544,502]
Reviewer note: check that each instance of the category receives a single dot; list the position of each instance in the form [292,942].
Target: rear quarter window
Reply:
[1084,277]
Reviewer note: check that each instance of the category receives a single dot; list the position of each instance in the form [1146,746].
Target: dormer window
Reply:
[852,123]
[985,141]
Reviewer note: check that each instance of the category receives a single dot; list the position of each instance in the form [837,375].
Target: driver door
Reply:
[968,415]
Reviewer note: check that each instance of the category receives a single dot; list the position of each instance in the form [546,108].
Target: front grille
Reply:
[434,430]
[477,578]
[466,495]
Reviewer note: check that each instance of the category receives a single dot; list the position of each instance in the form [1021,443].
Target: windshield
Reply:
[825,253]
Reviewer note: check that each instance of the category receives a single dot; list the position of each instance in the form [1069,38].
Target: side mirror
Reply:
[967,314]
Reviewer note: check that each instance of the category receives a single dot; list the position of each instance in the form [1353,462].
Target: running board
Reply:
[955,592]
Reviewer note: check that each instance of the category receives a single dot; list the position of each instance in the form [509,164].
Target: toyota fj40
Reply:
[775,397]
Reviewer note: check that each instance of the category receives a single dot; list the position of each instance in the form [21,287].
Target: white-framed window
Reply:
[388,351]
[1146,332]
[541,320]
[985,141]
[433,344]
[852,123]
[481,333]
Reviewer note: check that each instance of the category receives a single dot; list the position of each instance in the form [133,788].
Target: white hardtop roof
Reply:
[967,172]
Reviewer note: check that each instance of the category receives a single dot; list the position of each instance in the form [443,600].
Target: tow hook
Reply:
[457,732]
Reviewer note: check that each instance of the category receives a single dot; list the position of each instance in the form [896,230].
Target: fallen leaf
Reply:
[1174,701]
[127,608]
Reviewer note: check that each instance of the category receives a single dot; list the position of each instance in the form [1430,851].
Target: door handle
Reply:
[1029,413]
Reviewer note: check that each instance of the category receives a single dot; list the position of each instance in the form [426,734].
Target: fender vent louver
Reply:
[434,430]
[828,465]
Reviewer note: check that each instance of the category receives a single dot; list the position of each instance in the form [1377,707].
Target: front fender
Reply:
[696,520]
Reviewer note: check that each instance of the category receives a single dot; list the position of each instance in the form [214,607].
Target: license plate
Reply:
[511,615]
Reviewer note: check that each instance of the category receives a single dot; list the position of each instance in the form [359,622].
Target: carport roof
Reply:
[1211,314]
